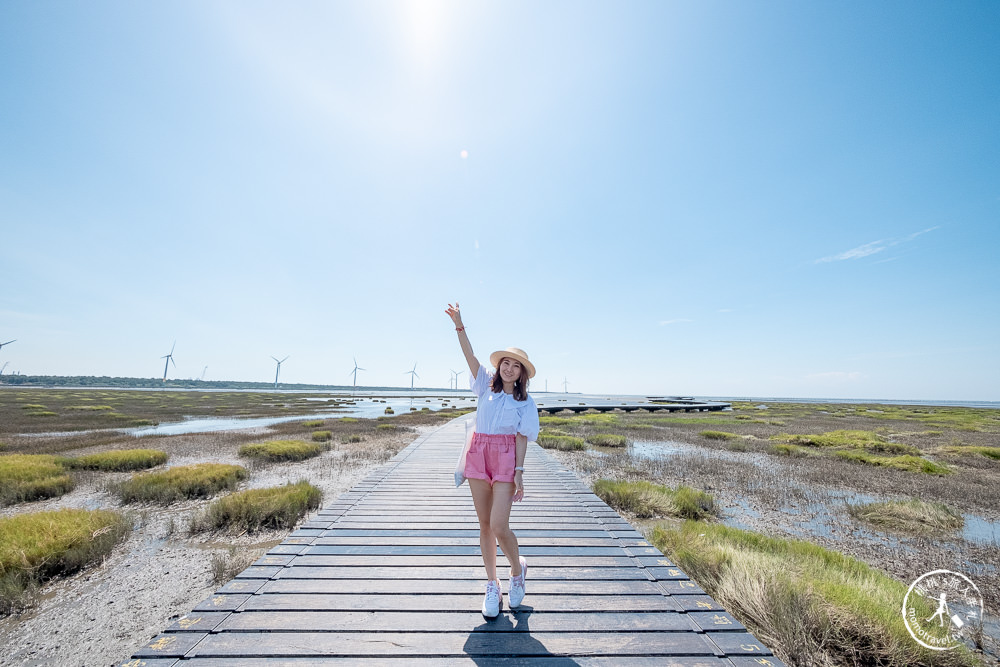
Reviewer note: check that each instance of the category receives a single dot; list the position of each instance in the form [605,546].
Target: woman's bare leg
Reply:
[483,499]
[503,494]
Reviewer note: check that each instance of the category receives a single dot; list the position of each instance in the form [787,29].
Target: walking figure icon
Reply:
[942,610]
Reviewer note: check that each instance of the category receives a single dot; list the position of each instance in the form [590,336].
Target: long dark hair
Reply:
[520,384]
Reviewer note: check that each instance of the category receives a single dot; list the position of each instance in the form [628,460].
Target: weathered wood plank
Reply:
[450,602]
[443,644]
[409,621]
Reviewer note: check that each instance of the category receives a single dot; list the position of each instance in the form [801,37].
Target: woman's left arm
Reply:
[520,449]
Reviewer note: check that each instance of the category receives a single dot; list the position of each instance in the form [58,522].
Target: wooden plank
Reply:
[475,572]
[403,621]
[467,661]
[459,586]
[443,644]
[452,602]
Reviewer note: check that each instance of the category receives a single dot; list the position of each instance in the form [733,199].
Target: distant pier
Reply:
[651,404]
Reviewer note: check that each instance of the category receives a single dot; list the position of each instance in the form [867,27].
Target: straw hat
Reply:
[514,353]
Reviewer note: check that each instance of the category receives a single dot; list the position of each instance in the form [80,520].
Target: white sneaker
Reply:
[517,585]
[493,600]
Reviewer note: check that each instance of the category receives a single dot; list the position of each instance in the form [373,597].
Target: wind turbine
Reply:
[202,378]
[412,374]
[4,367]
[355,372]
[456,374]
[565,385]
[169,360]
[7,343]
[278,370]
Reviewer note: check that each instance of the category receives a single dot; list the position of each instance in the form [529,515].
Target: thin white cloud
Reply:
[873,247]
[679,320]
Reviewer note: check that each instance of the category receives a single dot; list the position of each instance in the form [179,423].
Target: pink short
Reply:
[491,457]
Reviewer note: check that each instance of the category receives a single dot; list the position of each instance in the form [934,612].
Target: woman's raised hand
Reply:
[454,314]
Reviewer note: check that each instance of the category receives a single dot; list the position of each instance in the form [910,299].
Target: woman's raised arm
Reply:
[463,339]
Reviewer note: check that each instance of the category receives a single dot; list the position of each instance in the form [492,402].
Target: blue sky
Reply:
[708,198]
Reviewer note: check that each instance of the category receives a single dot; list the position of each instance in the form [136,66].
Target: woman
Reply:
[506,419]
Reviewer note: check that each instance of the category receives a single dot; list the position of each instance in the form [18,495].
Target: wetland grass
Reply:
[905,462]
[565,443]
[37,546]
[719,435]
[201,480]
[321,436]
[607,440]
[914,516]
[119,460]
[226,566]
[992,453]
[646,500]
[249,511]
[813,606]
[26,477]
[281,450]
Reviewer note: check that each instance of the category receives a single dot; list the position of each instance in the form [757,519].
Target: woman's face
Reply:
[510,369]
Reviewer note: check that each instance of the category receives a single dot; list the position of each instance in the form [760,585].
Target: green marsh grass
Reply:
[646,500]
[281,450]
[256,509]
[565,443]
[25,477]
[906,462]
[201,480]
[37,546]
[719,435]
[992,453]
[312,423]
[607,440]
[912,516]
[119,460]
[385,427]
[811,605]
[349,438]
[321,436]
[783,449]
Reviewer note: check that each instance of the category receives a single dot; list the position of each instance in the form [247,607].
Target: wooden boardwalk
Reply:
[390,573]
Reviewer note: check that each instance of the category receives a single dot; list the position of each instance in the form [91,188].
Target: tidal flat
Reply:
[99,614]
[839,476]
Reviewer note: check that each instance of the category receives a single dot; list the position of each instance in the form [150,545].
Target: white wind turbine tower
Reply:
[169,360]
[355,372]
[565,385]
[278,370]
[412,374]
[456,374]
[202,378]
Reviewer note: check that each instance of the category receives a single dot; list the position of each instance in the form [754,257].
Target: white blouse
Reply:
[499,413]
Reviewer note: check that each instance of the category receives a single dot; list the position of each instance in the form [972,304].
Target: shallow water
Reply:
[369,408]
